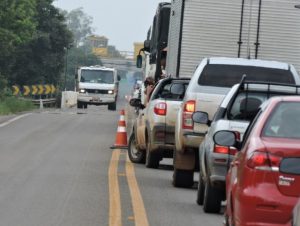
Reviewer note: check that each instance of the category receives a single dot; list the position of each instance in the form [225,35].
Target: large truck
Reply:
[156,43]
[256,29]
[97,85]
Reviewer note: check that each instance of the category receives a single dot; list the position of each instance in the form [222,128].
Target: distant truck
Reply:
[97,85]
[156,43]
[256,29]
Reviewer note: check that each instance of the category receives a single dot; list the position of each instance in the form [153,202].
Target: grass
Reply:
[11,105]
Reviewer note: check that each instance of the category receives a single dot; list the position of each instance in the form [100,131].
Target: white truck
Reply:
[97,85]
[256,29]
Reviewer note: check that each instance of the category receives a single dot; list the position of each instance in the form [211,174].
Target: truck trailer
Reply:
[256,29]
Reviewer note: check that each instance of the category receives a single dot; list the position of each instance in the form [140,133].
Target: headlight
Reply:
[110,91]
[82,91]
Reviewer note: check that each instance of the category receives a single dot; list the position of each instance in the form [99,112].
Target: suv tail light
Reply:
[264,161]
[225,150]
[188,110]
[160,108]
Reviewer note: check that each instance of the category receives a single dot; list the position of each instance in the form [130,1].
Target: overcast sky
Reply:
[122,22]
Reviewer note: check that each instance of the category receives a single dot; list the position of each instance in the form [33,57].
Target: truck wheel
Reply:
[200,190]
[183,178]
[152,158]
[212,199]
[79,104]
[112,106]
[135,155]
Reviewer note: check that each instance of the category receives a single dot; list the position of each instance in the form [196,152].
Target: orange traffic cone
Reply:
[121,137]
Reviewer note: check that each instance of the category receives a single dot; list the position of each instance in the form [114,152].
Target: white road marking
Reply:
[14,119]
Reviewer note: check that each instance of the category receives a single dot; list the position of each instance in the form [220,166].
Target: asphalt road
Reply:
[57,168]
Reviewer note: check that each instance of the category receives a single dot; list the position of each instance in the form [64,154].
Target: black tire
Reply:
[183,178]
[200,190]
[112,106]
[135,155]
[152,158]
[85,106]
[212,198]
[79,104]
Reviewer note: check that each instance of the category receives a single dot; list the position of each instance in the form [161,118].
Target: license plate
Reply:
[95,99]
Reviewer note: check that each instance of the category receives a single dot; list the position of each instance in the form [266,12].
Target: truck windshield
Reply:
[228,75]
[97,76]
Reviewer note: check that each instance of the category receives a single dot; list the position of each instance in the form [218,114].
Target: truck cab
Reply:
[97,85]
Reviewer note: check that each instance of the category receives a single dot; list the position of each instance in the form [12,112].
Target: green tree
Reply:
[42,59]
[80,25]
[18,26]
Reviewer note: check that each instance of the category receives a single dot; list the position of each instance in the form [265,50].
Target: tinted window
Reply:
[245,105]
[165,91]
[97,76]
[284,121]
[228,75]
[290,166]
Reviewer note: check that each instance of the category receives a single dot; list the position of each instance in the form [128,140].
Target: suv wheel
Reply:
[212,199]
[112,106]
[152,158]
[135,155]
[200,190]
[79,104]
[183,178]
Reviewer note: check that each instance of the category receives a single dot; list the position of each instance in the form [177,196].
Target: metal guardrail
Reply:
[48,101]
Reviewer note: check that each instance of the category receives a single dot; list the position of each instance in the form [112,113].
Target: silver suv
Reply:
[236,111]
[152,137]
[211,81]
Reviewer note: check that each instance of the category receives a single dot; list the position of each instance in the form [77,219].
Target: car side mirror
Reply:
[136,102]
[201,117]
[139,61]
[177,89]
[225,138]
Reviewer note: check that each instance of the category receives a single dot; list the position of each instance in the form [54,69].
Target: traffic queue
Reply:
[236,121]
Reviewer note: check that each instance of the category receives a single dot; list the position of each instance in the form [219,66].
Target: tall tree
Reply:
[18,26]
[80,25]
[42,59]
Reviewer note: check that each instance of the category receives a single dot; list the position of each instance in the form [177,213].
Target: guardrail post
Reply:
[41,103]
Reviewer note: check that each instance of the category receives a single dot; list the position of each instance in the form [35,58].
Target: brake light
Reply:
[160,108]
[225,150]
[188,110]
[264,161]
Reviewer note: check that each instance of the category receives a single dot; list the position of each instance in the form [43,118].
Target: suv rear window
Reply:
[227,75]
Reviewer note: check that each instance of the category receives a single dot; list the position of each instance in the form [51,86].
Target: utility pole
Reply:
[66,69]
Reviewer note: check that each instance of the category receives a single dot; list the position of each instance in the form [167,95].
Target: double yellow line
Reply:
[115,210]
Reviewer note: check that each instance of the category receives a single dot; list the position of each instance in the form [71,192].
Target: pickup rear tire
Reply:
[135,155]
[212,198]
[200,190]
[112,106]
[183,178]
[152,158]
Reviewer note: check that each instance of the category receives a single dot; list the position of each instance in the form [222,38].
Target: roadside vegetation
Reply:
[10,104]
[38,42]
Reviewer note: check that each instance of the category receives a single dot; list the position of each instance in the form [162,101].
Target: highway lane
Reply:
[53,168]
[57,168]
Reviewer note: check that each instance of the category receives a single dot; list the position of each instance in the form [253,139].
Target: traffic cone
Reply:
[121,136]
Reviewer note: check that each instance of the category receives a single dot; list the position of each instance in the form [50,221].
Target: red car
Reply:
[263,182]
